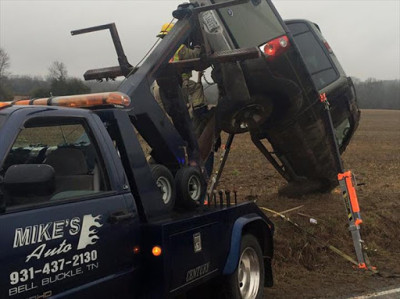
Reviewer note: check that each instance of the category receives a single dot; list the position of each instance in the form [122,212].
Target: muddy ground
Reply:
[304,269]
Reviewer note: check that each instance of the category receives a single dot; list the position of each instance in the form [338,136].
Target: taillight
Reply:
[276,46]
[328,47]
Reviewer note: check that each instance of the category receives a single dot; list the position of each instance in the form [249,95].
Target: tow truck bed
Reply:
[195,245]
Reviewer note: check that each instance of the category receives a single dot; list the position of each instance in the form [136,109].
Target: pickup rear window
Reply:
[316,60]
[251,24]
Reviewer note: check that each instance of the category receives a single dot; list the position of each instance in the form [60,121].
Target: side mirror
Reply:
[29,180]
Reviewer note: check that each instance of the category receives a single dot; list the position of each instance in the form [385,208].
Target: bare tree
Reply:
[58,71]
[4,63]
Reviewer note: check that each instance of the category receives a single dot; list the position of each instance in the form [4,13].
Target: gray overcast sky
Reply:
[365,35]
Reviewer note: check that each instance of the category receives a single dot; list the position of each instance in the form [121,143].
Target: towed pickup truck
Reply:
[82,215]
[276,97]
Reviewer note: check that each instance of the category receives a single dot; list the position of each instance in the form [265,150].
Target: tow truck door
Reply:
[78,240]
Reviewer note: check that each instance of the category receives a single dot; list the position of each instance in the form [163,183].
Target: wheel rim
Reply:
[165,188]
[194,187]
[249,274]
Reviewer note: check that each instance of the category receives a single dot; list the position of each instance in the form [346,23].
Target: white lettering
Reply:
[21,289]
[38,252]
[34,234]
[22,237]
[75,226]
[61,276]
[58,229]
[44,232]
[37,234]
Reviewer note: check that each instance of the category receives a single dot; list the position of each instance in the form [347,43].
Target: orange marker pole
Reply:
[350,196]
[353,209]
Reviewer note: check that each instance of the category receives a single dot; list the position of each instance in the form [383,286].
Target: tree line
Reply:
[371,93]
[56,83]
[378,94]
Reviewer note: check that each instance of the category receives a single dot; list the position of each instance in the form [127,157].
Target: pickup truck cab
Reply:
[328,77]
[81,216]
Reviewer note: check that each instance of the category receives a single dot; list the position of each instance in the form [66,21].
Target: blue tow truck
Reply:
[83,213]
[85,218]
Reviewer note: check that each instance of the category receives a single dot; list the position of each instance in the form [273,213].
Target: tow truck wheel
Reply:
[190,187]
[165,182]
[247,282]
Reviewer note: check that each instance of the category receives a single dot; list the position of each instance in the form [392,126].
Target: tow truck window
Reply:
[251,24]
[69,150]
[316,60]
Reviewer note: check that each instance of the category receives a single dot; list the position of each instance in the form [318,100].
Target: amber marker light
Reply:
[91,100]
[156,251]
[115,98]
[4,104]
[22,102]
[136,250]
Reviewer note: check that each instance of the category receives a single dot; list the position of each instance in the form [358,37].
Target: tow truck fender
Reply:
[257,223]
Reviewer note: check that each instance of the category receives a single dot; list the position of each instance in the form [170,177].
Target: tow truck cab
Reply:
[82,216]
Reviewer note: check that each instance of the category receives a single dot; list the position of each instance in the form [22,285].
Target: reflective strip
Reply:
[176,55]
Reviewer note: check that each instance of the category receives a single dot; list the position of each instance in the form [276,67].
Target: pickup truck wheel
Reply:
[165,182]
[236,118]
[190,187]
[247,282]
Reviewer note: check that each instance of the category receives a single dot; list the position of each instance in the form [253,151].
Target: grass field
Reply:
[303,268]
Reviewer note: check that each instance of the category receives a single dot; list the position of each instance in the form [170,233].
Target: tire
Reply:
[190,187]
[236,118]
[165,182]
[247,281]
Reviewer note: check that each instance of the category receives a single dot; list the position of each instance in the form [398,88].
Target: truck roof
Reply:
[11,109]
